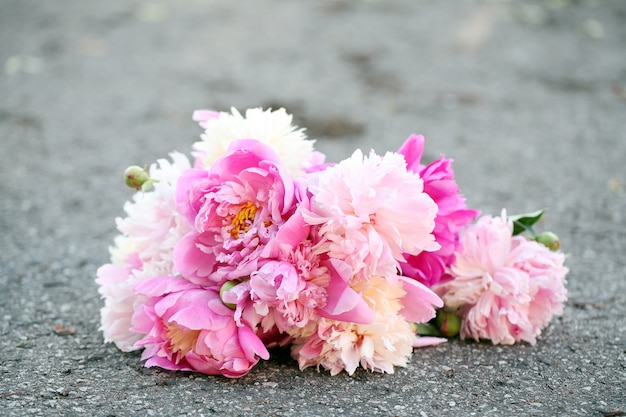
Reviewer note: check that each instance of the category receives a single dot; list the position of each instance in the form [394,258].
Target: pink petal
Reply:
[419,301]
[423,341]
[190,261]
[111,274]
[344,304]
[157,286]
[294,231]
[412,150]
[165,363]
[251,344]
[186,205]
[203,116]
[248,152]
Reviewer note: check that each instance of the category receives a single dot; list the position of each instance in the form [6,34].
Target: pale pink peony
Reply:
[507,287]
[144,248]
[115,286]
[380,345]
[452,216]
[236,208]
[369,211]
[153,226]
[189,328]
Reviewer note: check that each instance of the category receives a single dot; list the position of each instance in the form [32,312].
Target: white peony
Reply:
[273,128]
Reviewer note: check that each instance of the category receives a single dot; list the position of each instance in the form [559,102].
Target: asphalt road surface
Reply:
[528,97]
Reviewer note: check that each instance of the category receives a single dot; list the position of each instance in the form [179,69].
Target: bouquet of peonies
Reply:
[261,244]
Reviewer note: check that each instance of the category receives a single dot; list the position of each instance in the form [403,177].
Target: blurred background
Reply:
[514,82]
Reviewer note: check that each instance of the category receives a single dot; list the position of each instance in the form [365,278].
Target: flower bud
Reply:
[449,324]
[226,287]
[136,176]
[550,240]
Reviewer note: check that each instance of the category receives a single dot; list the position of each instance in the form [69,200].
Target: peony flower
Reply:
[188,328]
[369,211]
[507,287]
[115,286]
[153,226]
[144,248]
[378,346]
[273,128]
[452,214]
[294,291]
[237,208]
[288,292]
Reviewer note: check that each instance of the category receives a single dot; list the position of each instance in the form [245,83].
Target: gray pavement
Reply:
[528,97]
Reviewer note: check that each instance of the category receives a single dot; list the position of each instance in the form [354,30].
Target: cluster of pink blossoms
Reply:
[260,244]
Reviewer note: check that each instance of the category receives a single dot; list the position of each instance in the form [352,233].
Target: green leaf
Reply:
[524,222]
[427,329]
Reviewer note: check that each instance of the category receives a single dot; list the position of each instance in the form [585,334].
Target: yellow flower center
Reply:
[243,219]
[181,340]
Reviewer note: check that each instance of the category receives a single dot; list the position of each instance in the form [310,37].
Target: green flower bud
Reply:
[449,324]
[225,287]
[136,176]
[549,239]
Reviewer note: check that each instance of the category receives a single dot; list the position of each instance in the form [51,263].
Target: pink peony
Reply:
[236,208]
[452,216]
[296,291]
[288,292]
[507,287]
[369,211]
[189,328]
